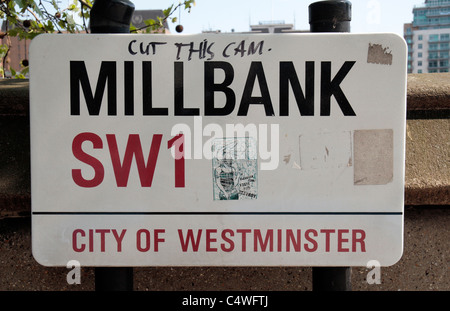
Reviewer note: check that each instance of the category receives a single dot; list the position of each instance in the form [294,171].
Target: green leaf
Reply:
[150,22]
[167,11]
[21,3]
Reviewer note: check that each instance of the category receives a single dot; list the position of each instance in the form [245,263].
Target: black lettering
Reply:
[179,93]
[252,48]
[224,53]
[146,50]
[179,46]
[154,44]
[240,49]
[192,50]
[147,102]
[211,88]
[130,50]
[129,88]
[78,75]
[256,71]
[330,87]
[288,75]
[211,53]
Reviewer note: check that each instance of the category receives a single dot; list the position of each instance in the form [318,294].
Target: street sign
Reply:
[218,150]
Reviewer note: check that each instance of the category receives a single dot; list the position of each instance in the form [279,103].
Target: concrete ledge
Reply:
[427,143]
[427,168]
[428,91]
[14,97]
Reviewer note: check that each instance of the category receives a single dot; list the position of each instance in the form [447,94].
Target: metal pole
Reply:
[112,16]
[332,278]
[331,16]
[113,279]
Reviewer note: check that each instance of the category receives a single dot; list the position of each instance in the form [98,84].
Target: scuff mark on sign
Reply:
[287,158]
[325,150]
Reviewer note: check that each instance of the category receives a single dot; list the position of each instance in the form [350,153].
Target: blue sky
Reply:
[225,15]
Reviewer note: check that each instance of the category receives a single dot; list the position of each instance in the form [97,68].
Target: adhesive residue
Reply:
[379,55]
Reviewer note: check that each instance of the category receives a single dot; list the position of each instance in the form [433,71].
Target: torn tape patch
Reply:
[373,157]
[379,55]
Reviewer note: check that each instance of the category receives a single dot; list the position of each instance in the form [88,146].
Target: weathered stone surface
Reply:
[428,91]
[427,180]
[14,97]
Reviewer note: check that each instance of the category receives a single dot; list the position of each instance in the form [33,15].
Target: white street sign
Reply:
[218,150]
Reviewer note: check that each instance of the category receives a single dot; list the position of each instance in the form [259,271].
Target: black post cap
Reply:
[330,16]
[111,16]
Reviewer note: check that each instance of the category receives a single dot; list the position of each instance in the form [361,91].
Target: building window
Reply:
[419,63]
[419,55]
[420,45]
[419,71]
[434,38]
[420,37]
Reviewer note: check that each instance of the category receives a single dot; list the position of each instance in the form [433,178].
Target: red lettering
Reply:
[226,239]
[74,241]
[134,148]
[244,239]
[341,240]
[268,241]
[157,239]
[279,240]
[88,159]
[358,236]
[327,238]
[210,240]
[189,240]
[143,239]
[102,238]
[295,242]
[79,246]
[178,142]
[146,239]
[119,238]
[309,239]
[91,240]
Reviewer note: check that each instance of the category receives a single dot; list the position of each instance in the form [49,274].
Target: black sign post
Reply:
[112,16]
[331,16]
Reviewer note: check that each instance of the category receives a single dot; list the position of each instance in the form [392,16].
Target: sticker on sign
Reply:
[217,150]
